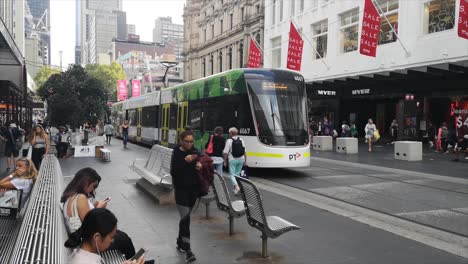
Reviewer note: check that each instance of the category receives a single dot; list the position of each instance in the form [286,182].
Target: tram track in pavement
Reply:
[435,236]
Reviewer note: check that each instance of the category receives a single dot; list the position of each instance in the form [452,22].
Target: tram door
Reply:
[138,117]
[182,118]
[165,124]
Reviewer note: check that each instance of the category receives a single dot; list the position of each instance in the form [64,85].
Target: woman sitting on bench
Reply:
[22,179]
[95,236]
[76,206]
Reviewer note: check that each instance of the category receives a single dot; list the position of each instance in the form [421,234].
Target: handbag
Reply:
[209,149]
[376,135]
[74,222]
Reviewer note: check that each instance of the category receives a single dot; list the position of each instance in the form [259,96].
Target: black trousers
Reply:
[36,157]
[62,149]
[123,243]
[108,138]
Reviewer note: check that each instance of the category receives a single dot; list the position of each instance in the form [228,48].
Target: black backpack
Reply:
[238,149]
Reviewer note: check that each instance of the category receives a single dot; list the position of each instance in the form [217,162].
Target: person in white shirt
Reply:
[234,151]
[370,130]
[22,179]
[95,236]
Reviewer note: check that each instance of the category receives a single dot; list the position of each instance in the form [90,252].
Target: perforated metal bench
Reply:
[270,226]
[157,167]
[234,209]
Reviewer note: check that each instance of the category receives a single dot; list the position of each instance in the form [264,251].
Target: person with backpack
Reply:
[214,149]
[234,151]
[184,167]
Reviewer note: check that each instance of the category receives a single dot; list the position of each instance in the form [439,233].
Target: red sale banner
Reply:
[463,19]
[136,88]
[294,49]
[255,56]
[370,28]
[121,90]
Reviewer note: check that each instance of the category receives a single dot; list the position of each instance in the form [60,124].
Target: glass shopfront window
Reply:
[349,31]
[439,15]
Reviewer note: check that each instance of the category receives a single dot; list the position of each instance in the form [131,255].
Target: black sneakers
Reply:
[189,257]
[181,249]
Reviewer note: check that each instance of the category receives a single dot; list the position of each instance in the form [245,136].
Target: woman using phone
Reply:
[22,179]
[40,145]
[95,235]
[184,166]
[76,205]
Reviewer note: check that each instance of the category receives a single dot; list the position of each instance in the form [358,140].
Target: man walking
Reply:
[109,131]
[234,151]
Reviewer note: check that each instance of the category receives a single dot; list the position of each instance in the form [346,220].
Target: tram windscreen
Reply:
[279,106]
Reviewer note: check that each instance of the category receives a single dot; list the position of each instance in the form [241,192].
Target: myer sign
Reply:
[324,92]
[360,91]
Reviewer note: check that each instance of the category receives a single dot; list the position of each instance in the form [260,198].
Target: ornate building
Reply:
[216,35]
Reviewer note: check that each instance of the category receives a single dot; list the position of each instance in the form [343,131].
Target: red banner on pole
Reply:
[463,20]
[136,88]
[294,49]
[121,90]
[255,56]
[370,30]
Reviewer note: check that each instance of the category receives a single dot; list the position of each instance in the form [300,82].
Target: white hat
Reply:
[12,125]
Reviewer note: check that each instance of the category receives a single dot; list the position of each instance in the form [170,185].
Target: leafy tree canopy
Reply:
[108,75]
[73,97]
[43,75]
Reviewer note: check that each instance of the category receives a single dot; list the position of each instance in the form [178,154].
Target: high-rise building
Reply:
[121,24]
[131,29]
[98,26]
[38,24]
[167,32]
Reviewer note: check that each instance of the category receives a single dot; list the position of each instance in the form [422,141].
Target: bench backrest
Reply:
[159,160]
[223,200]
[252,202]
[42,234]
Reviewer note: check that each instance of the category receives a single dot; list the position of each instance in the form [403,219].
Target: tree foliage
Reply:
[44,74]
[74,97]
[108,75]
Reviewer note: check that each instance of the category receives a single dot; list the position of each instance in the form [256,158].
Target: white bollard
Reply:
[322,143]
[408,150]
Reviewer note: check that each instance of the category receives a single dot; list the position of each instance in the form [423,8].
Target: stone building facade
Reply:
[216,35]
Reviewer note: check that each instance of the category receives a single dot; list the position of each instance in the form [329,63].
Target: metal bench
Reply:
[270,226]
[206,200]
[42,233]
[223,201]
[157,168]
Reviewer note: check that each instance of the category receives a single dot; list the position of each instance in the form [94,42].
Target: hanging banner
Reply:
[121,90]
[463,20]
[255,56]
[294,49]
[370,29]
[136,88]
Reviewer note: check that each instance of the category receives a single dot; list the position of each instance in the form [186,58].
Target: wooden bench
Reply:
[270,226]
[104,154]
[42,234]
[234,209]
[155,172]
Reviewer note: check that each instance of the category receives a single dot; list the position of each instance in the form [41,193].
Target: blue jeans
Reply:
[218,163]
[235,167]
[125,138]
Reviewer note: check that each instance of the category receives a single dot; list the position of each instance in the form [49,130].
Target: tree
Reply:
[74,97]
[108,75]
[43,75]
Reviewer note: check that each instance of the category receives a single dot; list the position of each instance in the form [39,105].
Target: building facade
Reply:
[417,80]
[216,35]
[167,32]
[98,26]
[131,29]
[37,17]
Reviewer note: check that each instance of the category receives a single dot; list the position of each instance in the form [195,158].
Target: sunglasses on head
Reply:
[25,160]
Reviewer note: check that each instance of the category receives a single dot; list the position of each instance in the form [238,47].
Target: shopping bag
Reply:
[376,135]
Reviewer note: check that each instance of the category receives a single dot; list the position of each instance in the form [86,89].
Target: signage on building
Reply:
[136,88]
[326,92]
[255,56]
[121,90]
[294,49]
[133,37]
[463,19]
[459,111]
[370,29]
[360,91]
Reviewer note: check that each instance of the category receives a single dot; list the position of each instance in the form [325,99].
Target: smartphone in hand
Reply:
[107,199]
[138,255]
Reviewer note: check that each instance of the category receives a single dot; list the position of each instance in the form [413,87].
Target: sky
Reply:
[142,13]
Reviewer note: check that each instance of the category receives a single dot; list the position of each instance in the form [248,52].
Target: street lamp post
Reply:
[60,54]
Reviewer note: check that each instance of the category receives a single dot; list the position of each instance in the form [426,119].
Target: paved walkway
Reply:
[324,238]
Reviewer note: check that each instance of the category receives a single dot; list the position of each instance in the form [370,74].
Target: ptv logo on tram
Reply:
[294,156]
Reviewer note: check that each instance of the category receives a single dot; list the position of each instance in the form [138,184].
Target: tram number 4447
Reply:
[460,121]
[244,131]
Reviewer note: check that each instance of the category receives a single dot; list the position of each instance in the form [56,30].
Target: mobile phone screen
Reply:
[107,199]
[138,254]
